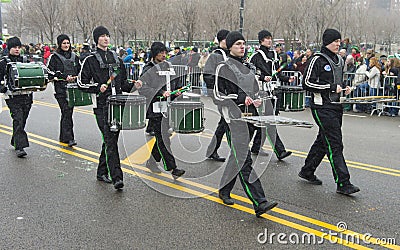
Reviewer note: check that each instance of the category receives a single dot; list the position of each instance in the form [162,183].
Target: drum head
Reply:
[290,88]
[186,104]
[191,95]
[136,99]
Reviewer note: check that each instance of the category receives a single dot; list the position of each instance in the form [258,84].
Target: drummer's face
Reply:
[104,40]
[160,57]
[238,48]
[65,45]
[267,41]
[14,51]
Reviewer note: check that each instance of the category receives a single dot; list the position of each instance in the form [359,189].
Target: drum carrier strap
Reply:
[223,53]
[337,73]
[69,64]
[243,83]
[112,67]
[267,60]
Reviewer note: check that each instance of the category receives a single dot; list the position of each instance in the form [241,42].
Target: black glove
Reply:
[3,89]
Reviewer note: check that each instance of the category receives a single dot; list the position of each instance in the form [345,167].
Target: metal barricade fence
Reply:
[181,73]
[194,77]
[391,88]
[298,77]
[134,70]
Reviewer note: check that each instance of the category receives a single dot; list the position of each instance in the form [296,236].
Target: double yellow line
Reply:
[166,180]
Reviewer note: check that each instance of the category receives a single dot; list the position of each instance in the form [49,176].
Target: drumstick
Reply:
[112,77]
[279,69]
[180,90]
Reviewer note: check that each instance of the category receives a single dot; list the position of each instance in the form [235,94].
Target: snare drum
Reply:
[28,76]
[291,98]
[76,97]
[186,117]
[126,112]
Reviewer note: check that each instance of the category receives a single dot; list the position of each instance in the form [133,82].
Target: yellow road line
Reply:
[251,211]
[141,155]
[55,142]
[67,151]
[51,105]
[236,206]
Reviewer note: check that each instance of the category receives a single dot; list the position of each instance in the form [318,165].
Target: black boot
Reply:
[347,189]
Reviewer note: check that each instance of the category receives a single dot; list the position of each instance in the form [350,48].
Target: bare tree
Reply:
[45,14]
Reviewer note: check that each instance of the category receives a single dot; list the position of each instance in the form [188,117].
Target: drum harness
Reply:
[270,86]
[162,105]
[113,70]
[337,78]
[242,78]
[69,64]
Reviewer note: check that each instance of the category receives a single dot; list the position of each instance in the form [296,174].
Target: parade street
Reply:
[51,199]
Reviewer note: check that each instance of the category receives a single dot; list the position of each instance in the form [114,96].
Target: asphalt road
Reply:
[52,200]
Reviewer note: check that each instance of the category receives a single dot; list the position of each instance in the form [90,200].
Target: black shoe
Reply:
[104,178]
[151,133]
[261,152]
[347,189]
[264,207]
[119,184]
[214,156]
[226,199]
[284,154]
[20,153]
[176,173]
[312,179]
[153,167]
[72,143]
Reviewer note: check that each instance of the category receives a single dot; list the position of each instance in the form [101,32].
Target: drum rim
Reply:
[126,98]
[187,103]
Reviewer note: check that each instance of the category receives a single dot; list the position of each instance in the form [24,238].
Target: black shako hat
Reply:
[61,38]
[263,34]
[232,37]
[156,48]
[221,35]
[98,31]
[329,36]
[13,42]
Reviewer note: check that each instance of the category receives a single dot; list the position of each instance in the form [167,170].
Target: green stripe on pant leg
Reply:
[330,157]
[105,152]
[162,157]
[271,142]
[247,190]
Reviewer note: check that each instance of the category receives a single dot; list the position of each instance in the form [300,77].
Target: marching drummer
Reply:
[266,60]
[236,97]
[19,101]
[64,67]
[154,87]
[218,55]
[103,74]
[324,77]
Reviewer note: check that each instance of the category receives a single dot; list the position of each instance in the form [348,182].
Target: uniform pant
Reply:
[240,164]
[162,148]
[66,122]
[273,138]
[109,161]
[217,138]
[329,142]
[19,106]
